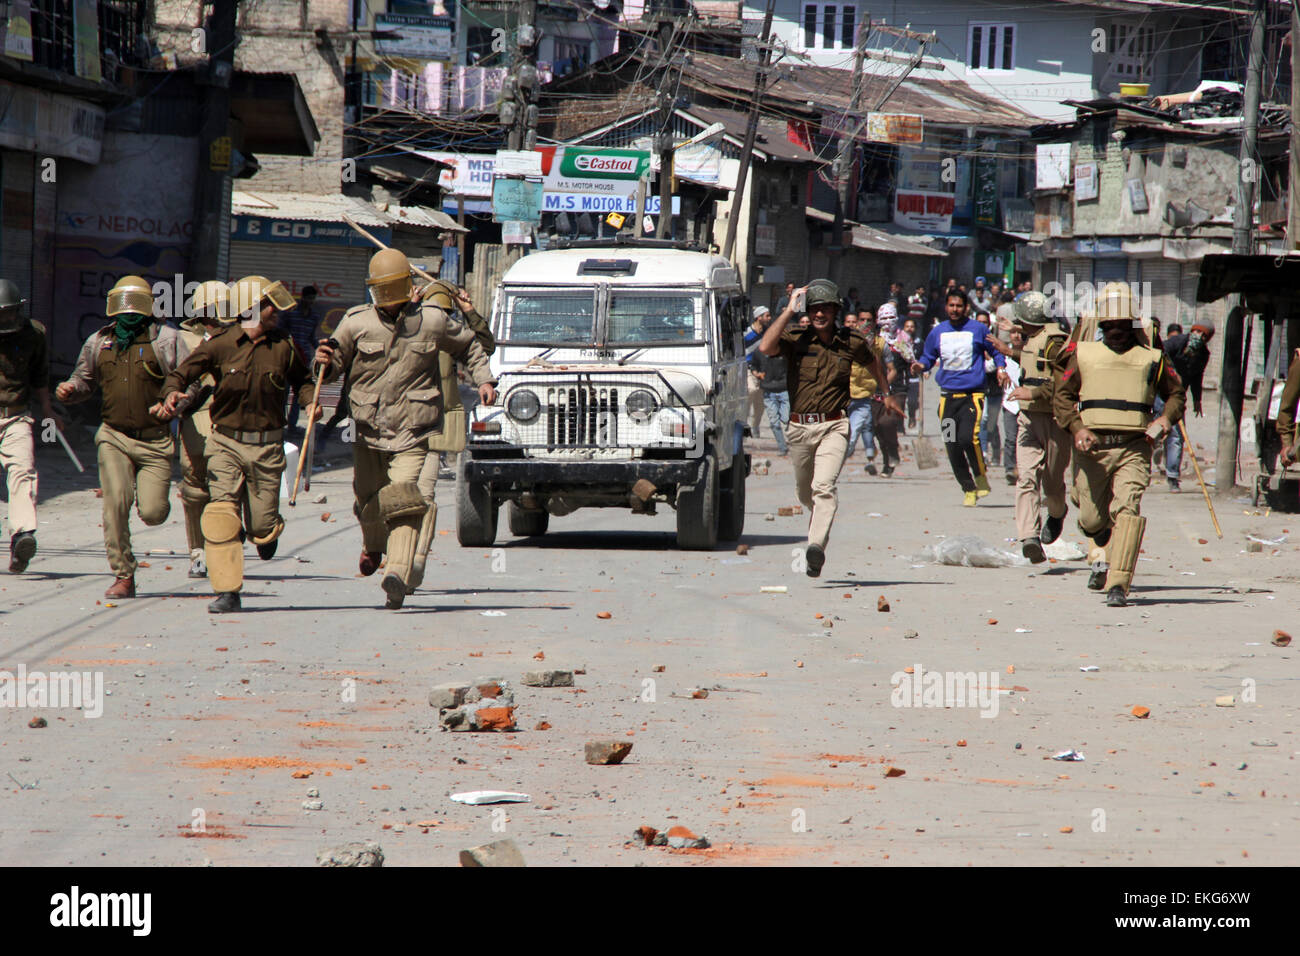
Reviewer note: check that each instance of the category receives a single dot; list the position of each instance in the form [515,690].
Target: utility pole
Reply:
[751,130]
[844,157]
[1293,184]
[519,98]
[1231,386]
[211,192]
[664,141]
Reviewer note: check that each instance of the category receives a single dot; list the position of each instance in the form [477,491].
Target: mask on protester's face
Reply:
[1195,342]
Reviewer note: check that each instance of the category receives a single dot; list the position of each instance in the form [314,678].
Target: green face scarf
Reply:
[128,327]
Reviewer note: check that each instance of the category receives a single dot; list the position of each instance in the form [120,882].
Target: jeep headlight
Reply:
[523,405]
[641,405]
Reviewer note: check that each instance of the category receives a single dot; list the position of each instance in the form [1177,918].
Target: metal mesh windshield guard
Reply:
[604,318]
[590,410]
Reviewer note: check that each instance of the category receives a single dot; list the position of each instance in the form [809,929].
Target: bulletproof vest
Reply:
[1116,391]
[1035,367]
[130,380]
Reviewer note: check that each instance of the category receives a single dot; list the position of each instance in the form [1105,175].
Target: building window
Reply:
[1131,48]
[992,46]
[829,26]
[570,56]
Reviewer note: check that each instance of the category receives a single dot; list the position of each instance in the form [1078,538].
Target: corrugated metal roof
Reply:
[299,207]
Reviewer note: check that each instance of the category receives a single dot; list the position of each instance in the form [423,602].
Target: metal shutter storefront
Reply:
[337,272]
[1162,278]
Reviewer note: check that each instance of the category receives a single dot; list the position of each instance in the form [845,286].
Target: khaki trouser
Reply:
[428,482]
[1042,452]
[131,470]
[1110,482]
[18,459]
[236,470]
[371,470]
[196,429]
[817,453]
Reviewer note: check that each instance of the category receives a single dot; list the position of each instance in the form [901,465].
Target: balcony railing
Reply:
[94,50]
[441,90]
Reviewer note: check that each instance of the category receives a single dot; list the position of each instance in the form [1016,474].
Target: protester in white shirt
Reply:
[1010,380]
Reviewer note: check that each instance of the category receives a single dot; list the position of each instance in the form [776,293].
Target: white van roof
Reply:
[653,266]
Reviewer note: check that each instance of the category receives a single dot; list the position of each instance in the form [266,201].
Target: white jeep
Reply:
[622,384]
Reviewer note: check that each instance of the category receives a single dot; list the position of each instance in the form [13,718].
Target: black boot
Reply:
[267,551]
[1116,597]
[22,548]
[225,603]
[815,558]
[1052,528]
[1032,549]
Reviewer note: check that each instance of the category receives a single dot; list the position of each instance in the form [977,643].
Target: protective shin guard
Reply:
[1125,543]
[403,509]
[224,551]
[422,545]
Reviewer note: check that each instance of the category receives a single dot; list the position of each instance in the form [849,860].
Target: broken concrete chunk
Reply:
[451,694]
[548,678]
[351,854]
[698,693]
[485,714]
[1254,547]
[500,853]
[484,687]
[680,838]
[607,752]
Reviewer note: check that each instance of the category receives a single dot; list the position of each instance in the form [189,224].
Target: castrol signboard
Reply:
[627,164]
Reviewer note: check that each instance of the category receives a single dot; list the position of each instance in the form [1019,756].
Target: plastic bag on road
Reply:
[966,550]
[1064,550]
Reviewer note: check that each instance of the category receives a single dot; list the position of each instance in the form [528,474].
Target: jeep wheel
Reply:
[731,514]
[524,523]
[476,511]
[697,509]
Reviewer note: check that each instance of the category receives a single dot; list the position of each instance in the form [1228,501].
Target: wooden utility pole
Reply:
[751,131]
[844,157]
[1231,385]
[664,139]
[211,195]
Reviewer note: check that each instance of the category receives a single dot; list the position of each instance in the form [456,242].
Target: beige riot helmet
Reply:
[390,278]
[251,292]
[131,295]
[1114,301]
[211,300]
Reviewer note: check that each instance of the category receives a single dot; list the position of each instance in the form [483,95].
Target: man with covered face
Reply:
[1104,399]
[128,360]
[254,364]
[24,370]
[390,350]
[1189,354]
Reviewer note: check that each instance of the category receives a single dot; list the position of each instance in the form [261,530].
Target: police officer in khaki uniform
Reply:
[820,359]
[390,350]
[1104,400]
[129,361]
[24,374]
[1042,448]
[209,314]
[450,439]
[254,365]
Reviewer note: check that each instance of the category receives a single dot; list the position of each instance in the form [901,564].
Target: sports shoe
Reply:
[22,548]
[887,471]
[225,603]
[871,468]
[369,562]
[1052,528]
[122,588]
[982,485]
[1012,478]
[815,558]
[1097,580]
[1116,597]
[267,551]
[198,566]
[395,588]
[1173,486]
[1032,549]
[969,500]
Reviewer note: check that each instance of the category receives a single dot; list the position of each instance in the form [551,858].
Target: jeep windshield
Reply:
[616,318]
